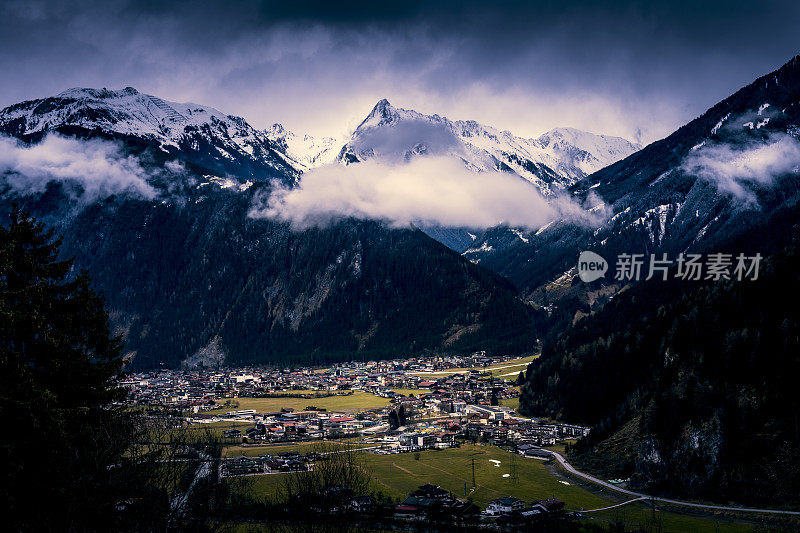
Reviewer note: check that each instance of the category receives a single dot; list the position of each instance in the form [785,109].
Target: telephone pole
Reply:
[473,472]
[472,456]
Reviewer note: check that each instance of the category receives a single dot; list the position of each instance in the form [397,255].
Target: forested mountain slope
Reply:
[689,386]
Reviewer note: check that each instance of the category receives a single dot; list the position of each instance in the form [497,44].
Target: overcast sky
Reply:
[635,69]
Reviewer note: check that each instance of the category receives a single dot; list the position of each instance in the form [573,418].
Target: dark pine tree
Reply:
[58,364]
[394,420]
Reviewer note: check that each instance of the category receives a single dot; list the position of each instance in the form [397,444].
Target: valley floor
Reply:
[398,474]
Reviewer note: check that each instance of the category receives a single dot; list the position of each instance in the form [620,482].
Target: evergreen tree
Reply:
[394,420]
[58,368]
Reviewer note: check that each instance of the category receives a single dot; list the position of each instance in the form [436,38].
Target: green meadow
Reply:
[398,474]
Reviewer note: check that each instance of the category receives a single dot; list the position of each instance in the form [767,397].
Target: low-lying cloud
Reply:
[89,169]
[428,190]
[735,168]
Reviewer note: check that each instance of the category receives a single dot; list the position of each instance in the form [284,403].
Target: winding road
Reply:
[640,496]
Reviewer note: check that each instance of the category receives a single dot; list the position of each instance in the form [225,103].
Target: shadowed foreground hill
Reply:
[690,386]
[201,280]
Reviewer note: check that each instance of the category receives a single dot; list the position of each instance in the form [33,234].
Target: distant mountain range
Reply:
[307,151]
[390,135]
[199,135]
[555,160]
[189,275]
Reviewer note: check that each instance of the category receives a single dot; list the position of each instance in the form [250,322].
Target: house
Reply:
[431,491]
[363,504]
[504,505]
[550,505]
[426,440]
[422,503]
[488,411]
[456,406]
[462,510]
[242,466]
[537,452]
[522,448]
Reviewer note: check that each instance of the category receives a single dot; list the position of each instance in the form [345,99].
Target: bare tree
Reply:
[174,472]
[331,482]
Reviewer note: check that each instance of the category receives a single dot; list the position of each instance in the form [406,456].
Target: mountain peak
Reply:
[277,129]
[396,134]
[382,113]
[382,106]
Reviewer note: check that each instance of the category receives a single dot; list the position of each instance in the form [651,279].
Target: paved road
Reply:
[638,495]
[614,506]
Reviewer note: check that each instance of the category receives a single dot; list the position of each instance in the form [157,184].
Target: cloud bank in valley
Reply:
[735,168]
[430,190]
[90,169]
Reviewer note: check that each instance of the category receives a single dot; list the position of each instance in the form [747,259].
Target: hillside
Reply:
[688,385]
[721,173]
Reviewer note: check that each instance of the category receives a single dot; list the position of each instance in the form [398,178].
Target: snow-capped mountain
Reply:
[306,150]
[553,161]
[223,143]
[580,153]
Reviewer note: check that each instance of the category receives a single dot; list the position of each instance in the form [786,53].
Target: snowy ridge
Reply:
[554,160]
[307,151]
[127,112]
[551,162]
[484,247]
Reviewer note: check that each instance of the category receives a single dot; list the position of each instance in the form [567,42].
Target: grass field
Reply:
[218,428]
[510,402]
[397,475]
[301,447]
[511,367]
[356,402]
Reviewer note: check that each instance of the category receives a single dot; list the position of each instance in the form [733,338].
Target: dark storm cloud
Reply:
[624,68]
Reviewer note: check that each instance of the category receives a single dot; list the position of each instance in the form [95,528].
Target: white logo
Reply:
[591,266]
